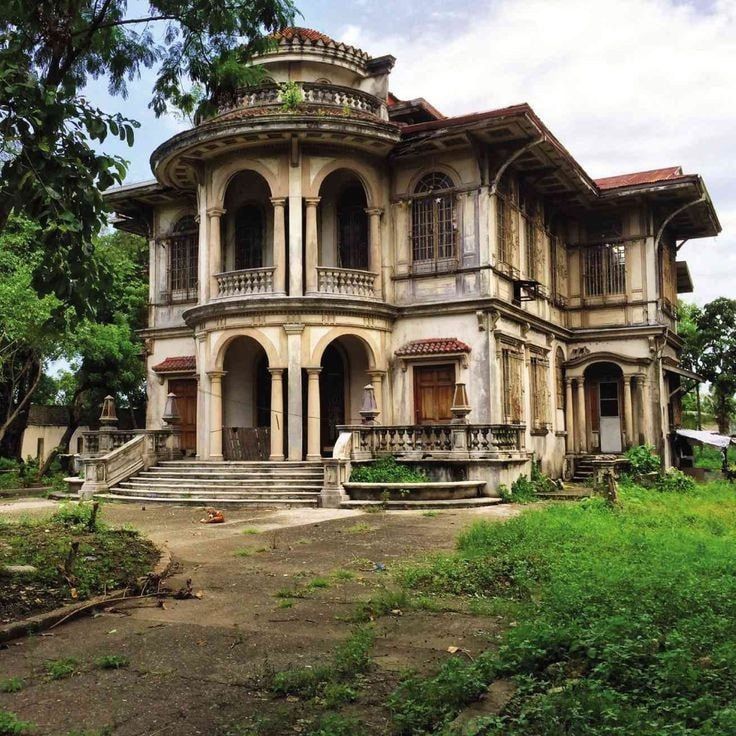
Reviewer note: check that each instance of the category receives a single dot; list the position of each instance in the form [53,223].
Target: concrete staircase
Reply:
[584,469]
[209,483]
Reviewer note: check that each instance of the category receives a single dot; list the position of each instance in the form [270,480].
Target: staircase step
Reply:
[225,492]
[228,482]
[459,503]
[210,500]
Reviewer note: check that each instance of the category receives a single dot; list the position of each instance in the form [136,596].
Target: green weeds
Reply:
[11,725]
[112,662]
[11,685]
[59,669]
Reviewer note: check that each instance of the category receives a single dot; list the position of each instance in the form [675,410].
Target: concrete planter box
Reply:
[430,491]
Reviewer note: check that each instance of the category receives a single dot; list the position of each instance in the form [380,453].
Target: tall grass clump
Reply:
[626,622]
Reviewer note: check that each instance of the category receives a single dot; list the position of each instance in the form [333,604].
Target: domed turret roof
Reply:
[301,34]
[294,37]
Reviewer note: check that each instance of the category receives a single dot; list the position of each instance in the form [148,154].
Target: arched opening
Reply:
[434,221]
[343,222]
[345,365]
[246,401]
[604,400]
[247,238]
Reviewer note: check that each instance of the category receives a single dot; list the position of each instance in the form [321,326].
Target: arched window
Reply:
[434,219]
[183,257]
[249,237]
[352,229]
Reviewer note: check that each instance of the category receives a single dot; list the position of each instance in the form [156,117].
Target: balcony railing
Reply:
[437,441]
[247,282]
[314,94]
[346,282]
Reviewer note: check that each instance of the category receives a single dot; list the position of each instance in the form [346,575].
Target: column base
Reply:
[276,458]
[313,458]
[332,498]
[217,458]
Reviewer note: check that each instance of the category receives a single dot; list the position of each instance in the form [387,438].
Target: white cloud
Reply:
[625,85]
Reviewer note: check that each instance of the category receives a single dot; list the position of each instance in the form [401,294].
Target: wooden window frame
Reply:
[539,390]
[182,276]
[604,270]
[434,223]
[512,383]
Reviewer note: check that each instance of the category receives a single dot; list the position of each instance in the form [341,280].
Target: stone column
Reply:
[569,420]
[312,245]
[294,388]
[313,415]
[646,410]
[582,432]
[636,401]
[279,244]
[296,259]
[215,255]
[376,259]
[216,414]
[377,381]
[628,412]
[277,414]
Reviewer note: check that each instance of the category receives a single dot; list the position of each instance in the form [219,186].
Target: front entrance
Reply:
[433,389]
[186,401]
[331,398]
[610,417]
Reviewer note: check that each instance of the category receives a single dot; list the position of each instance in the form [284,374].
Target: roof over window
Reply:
[177,364]
[433,346]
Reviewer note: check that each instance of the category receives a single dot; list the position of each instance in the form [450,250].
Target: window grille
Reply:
[511,369]
[605,270]
[540,393]
[560,378]
[531,235]
[352,230]
[249,237]
[507,224]
[434,219]
[183,259]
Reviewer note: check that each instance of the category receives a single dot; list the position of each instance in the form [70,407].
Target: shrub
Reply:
[387,470]
[291,96]
[643,459]
[78,515]
[523,490]
[334,724]
[674,481]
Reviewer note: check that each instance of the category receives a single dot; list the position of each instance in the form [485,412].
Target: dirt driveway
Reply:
[277,588]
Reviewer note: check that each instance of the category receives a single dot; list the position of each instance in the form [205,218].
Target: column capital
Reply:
[312,201]
[313,372]
[374,211]
[627,379]
[278,201]
[569,380]
[294,328]
[376,373]
[215,375]
[216,212]
[276,372]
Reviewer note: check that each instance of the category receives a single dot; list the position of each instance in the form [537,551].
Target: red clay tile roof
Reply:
[639,177]
[301,34]
[177,364]
[433,346]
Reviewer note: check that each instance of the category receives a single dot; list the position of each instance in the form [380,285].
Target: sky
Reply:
[625,85]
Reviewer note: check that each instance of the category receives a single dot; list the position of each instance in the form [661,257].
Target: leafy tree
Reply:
[716,326]
[692,352]
[49,49]
[28,326]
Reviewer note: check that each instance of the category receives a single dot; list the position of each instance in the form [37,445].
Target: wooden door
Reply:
[186,401]
[433,389]
[610,417]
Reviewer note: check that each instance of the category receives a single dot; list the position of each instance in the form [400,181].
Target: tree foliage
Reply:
[49,50]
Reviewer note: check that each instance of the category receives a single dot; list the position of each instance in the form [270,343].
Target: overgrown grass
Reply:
[625,619]
[350,659]
[711,458]
[11,725]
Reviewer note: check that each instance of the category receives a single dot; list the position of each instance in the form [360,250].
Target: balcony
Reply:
[346,282]
[247,282]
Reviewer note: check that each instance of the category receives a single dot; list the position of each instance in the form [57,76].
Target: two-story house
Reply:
[302,250]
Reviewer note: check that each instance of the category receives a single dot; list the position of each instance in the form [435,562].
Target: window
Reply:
[559,270]
[540,393]
[434,219]
[560,378]
[511,384]
[605,270]
[352,229]
[183,256]
[249,227]
[507,224]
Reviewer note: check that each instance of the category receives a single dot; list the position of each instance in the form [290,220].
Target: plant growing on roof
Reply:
[291,96]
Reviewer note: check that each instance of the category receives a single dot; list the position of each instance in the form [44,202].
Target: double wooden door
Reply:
[186,401]
[433,389]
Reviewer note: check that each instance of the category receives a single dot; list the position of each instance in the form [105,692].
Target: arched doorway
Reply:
[344,233]
[246,401]
[247,237]
[604,397]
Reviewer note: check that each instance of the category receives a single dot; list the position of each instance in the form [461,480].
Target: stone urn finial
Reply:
[171,415]
[460,405]
[108,417]
[369,407]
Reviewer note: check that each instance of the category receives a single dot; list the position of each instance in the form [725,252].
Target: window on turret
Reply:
[249,237]
[605,269]
[434,220]
[352,229]
[183,257]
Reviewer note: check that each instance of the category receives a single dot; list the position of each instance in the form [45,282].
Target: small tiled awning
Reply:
[177,364]
[433,346]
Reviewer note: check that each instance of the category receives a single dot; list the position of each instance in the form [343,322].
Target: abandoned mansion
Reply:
[337,274]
